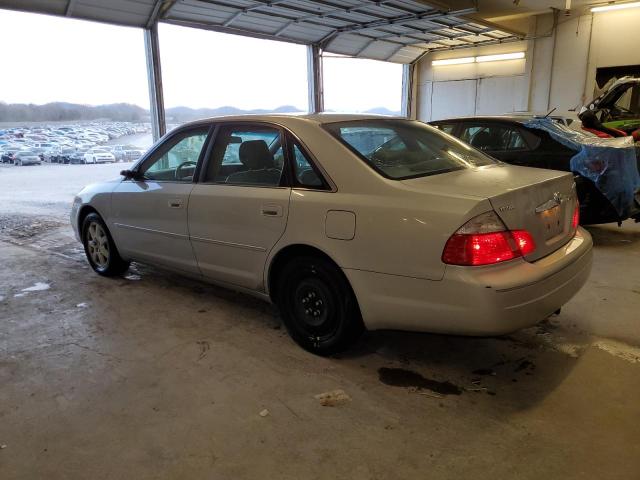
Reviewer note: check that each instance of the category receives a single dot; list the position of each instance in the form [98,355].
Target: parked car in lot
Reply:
[62,155]
[7,155]
[124,153]
[77,158]
[345,222]
[26,157]
[98,155]
[606,171]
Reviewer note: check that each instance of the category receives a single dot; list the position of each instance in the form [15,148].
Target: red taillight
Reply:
[486,247]
[524,241]
[575,221]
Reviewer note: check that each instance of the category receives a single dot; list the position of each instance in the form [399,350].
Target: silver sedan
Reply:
[346,222]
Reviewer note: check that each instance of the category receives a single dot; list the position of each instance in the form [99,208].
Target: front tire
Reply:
[100,248]
[318,306]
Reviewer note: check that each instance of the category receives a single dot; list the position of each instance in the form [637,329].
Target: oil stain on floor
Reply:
[400,377]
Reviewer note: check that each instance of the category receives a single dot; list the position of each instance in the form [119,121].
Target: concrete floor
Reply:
[157,376]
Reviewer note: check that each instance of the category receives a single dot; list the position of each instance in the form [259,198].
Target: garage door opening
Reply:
[207,74]
[353,85]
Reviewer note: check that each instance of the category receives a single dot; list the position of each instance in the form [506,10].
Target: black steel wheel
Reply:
[318,306]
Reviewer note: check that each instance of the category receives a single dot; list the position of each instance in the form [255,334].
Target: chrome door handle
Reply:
[175,203]
[271,210]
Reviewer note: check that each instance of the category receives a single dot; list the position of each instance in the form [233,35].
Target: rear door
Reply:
[238,211]
[150,214]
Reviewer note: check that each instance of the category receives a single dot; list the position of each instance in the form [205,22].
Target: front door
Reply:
[239,210]
[150,214]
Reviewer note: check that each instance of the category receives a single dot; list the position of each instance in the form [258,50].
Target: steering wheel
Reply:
[179,168]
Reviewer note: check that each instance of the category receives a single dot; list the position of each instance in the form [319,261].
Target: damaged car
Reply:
[618,107]
[605,170]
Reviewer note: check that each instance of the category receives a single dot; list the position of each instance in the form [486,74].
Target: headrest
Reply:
[255,155]
[482,140]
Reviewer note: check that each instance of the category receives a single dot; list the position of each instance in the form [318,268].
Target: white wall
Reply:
[470,89]
[559,70]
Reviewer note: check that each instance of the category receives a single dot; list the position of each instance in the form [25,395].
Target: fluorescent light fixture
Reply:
[481,59]
[615,6]
[454,61]
[502,56]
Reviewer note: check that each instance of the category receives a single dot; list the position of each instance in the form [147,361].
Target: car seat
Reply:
[259,163]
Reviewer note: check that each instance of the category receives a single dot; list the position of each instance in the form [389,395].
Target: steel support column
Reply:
[154,75]
[408,92]
[314,79]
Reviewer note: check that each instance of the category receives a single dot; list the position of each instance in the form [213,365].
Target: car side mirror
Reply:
[131,175]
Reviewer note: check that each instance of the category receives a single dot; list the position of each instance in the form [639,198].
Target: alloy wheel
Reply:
[98,245]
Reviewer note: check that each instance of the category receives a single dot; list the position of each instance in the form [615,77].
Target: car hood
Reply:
[613,93]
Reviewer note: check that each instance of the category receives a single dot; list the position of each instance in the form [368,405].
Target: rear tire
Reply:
[318,306]
[100,248]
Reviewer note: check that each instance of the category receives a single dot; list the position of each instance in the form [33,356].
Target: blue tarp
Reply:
[610,163]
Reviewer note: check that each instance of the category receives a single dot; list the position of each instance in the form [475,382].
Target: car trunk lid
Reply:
[539,201]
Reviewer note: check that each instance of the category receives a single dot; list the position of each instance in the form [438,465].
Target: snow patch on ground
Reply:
[618,349]
[37,287]
[82,305]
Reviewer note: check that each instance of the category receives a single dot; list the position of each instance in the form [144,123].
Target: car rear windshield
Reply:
[402,149]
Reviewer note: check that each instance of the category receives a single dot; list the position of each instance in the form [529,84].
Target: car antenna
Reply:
[550,112]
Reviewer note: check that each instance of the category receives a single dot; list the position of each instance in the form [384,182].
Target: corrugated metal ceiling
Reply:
[392,30]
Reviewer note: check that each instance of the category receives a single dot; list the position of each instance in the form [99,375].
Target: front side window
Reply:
[177,160]
[401,149]
[493,138]
[246,155]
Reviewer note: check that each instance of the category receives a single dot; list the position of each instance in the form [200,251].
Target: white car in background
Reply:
[346,222]
[99,155]
[125,153]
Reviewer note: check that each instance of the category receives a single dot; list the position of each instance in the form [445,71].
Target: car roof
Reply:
[489,118]
[295,119]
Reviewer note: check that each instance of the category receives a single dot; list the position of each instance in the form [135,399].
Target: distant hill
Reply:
[382,111]
[184,114]
[124,112]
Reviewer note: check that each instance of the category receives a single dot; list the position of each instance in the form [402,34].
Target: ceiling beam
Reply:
[401,20]
[69,10]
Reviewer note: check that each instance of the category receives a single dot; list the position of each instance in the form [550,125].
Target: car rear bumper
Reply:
[490,300]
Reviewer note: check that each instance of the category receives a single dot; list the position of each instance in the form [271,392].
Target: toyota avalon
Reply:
[346,222]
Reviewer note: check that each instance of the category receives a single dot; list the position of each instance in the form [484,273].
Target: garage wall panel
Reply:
[501,95]
[453,99]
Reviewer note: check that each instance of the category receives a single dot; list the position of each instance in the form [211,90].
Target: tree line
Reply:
[60,111]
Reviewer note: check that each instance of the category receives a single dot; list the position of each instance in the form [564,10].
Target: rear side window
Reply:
[401,149]
[306,175]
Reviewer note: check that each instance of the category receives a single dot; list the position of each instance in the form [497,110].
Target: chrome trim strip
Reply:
[150,230]
[229,244]
[197,239]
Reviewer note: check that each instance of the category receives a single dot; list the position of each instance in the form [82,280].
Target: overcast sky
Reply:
[48,59]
